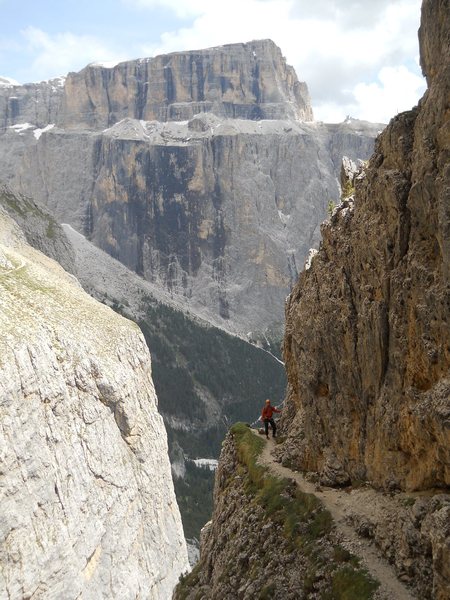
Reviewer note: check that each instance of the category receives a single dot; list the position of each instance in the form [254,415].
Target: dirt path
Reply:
[339,503]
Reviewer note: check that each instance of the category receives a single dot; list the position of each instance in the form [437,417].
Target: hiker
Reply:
[267,417]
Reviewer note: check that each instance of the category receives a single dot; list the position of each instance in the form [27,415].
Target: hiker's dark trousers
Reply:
[272,424]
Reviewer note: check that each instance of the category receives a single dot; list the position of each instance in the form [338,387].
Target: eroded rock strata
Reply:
[87,502]
[248,81]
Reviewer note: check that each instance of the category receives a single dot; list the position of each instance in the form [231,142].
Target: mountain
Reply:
[87,500]
[202,171]
[366,418]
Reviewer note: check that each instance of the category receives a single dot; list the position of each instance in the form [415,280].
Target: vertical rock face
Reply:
[33,103]
[201,171]
[86,495]
[367,344]
[246,81]
[219,212]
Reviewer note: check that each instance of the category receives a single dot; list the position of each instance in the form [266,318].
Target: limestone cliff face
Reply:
[367,344]
[87,504]
[220,213]
[246,81]
[220,208]
[33,103]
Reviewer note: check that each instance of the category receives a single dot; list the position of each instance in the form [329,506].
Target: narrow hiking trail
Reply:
[340,503]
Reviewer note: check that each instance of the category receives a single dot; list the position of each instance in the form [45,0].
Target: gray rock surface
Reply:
[201,171]
[33,103]
[218,212]
[87,506]
[244,81]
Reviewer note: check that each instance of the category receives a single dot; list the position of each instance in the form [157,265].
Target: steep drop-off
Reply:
[268,539]
[204,377]
[41,230]
[86,497]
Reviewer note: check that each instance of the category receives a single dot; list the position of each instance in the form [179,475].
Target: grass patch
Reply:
[351,584]
[267,592]
[52,230]
[187,581]
[302,515]
[304,521]
[408,501]
[341,555]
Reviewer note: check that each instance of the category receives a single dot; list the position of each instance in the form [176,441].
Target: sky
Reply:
[360,58]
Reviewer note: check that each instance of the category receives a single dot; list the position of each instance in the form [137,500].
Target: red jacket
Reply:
[268,411]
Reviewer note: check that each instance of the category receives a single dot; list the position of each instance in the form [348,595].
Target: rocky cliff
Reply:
[220,213]
[367,344]
[33,103]
[87,502]
[204,377]
[200,171]
[245,81]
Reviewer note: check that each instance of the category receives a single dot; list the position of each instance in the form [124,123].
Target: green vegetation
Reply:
[187,581]
[306,525]
[331,206]
[348,190]
[191,361]
[303,518]
[304,521]
[194,363]
[351,584]
[193,492]
[267,592]
[18,204]
[52,229]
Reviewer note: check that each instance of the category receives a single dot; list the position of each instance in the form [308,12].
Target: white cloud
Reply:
[58,54]
[181,8]
[397,89]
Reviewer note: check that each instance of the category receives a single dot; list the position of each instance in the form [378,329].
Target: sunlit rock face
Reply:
[87,507]
[367,326]
[244,81]
[201,171]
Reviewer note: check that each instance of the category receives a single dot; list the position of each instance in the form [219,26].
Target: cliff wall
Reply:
[202,171]
[245,81]
[367,351]
[87,503]
[220,213]
[367,344]
[36,104]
